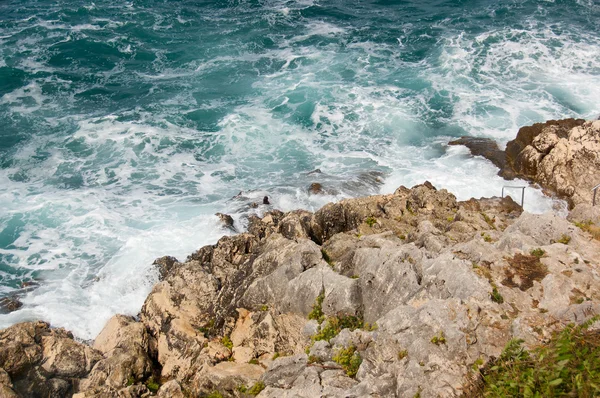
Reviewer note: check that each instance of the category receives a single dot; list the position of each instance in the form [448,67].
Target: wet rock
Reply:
[226,221]
[486,147]
[9,304]
[165,265]
[316,189]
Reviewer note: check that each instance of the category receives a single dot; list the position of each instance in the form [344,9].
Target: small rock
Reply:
[316,189]
[226,220]
[9,304]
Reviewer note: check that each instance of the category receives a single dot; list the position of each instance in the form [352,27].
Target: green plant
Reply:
[354,277]
[226,341]
[488,220]
[349,359]
[477,364]
[326,257]
[589,227]
[537,252]
[402,354]
[496,296]
[369,327]
[264,308]
[253,361]
[450,218]
[486,237]
[214,394]
[256,388]
[402,236]
[370,221]
[208,328]
[439,339]
[130,380]
[276,355]
[242,388]
[317,309]
[334,325]
[564,239]
[567,366]
[152,384]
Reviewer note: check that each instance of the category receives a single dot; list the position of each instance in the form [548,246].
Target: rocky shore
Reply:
[400,295]
[562,156]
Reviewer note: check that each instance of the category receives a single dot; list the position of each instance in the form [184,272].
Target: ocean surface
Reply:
[124,126]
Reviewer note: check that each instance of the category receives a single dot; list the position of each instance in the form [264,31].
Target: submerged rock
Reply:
[9,304]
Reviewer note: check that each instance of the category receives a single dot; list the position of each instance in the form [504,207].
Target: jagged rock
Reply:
[64,357]
[584,213]
[227,221]
[42,361]
[486,147]
[226,376]
[171,389]
[563,156]
[442,284]
[125,345]
[9,304]
[165,265]
[5,378]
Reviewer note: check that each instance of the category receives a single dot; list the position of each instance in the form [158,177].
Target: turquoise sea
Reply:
[124,126]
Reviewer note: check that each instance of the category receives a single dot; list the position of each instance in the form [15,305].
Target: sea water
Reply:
[124,126]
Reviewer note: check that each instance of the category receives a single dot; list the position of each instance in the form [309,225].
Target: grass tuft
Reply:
[256,388]
[496,296]
[317,309]
[349,359]
[226,341]
[537,252]
[564,239]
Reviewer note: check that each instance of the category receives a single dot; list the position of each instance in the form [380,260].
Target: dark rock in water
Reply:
[227,220]
[315,171]
[266,201]
[253,205]
[316,189]
[486,147]
[365,182]
[9,304]
[165,265]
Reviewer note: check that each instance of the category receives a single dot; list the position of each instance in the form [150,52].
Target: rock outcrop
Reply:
[562,156]
[384,296]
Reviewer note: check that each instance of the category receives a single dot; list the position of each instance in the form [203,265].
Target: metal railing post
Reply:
[595,189]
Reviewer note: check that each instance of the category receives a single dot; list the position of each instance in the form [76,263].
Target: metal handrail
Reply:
[522,192]
[594,197]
